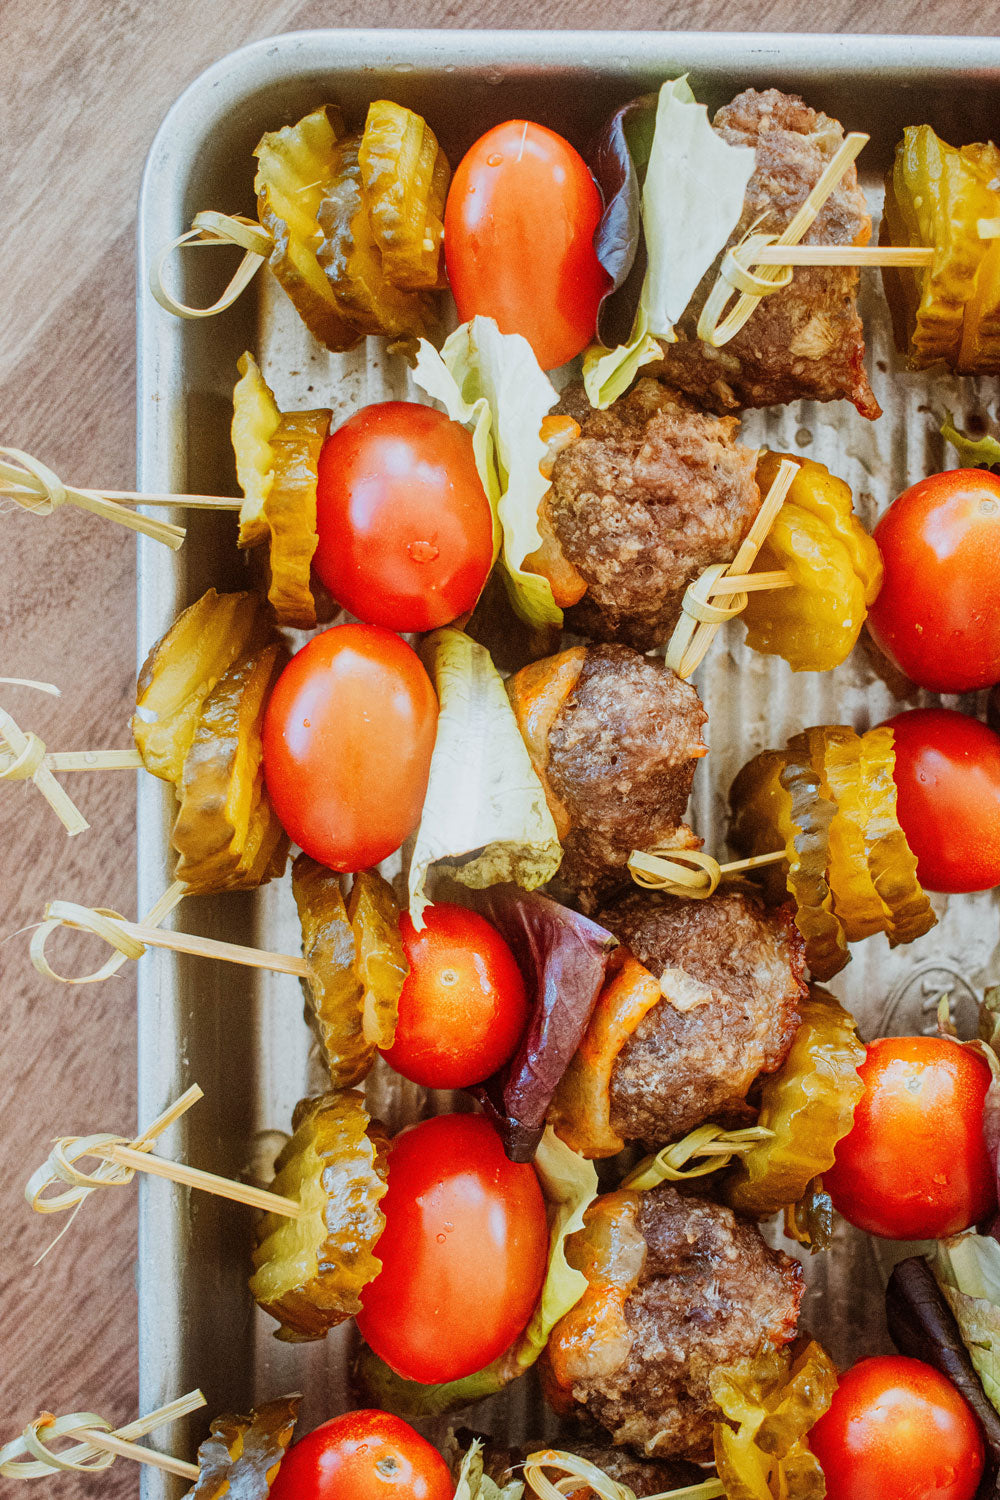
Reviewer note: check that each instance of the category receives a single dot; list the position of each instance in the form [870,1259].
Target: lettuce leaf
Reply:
[473,1484]
[485,814]
[967,1268]
[483,374]
[618,162]
[975,453]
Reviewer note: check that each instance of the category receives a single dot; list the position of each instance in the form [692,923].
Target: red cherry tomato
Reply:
[897,1430]
[363,1455]
[518,239]
[938,614]
[914,1165]
[405,529]
[463,1251]
[348,736]
[948,797]
[463,1006]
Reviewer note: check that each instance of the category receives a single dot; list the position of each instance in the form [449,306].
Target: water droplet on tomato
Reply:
[307,723]
[496,160]
[441,1238]
[423,552]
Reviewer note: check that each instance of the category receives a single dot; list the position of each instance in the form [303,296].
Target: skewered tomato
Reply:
[899,1430]
[518,239]
[405,529]
[947,775]
[914,1166]
[938,614]
[462,1008]
[463,1251]
[348,737]
[363,1455]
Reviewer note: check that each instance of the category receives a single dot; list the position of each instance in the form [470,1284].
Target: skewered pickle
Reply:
[855,899]
[309,1272]
[773,1404]
[808,852]
[256,419]
[893,866]
[405,177]
[337,993]
[241,1456]
[381,962]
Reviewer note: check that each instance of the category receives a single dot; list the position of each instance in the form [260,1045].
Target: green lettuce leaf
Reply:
[967,1268]
[975,453]
[491,383]
[569,1183]
[473,1484]
[608,373]
[485,815]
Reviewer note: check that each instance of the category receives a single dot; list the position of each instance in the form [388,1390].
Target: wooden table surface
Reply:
[86,84]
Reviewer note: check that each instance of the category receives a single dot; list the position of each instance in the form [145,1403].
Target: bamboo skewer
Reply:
[98,1444]
[690,872]
[24,760]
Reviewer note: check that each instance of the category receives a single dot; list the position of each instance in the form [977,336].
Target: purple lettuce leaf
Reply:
[618,161]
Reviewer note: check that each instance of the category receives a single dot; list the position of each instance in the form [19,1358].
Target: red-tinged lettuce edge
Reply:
[923,1326]
[618,160]
[563,958]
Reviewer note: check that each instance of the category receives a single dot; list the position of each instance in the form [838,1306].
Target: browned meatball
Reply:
[710,1292]
[644,1476]
[805,341]
[622,755]
[732,973]
[649,495]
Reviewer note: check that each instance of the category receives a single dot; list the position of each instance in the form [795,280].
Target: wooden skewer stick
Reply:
[98,1443]
[859,255]
[24,760]
[690,872]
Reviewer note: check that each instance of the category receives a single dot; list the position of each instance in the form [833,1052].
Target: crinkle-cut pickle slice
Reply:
[242,1455]
[405,177]
[381,963]
[290,512]
[225,818]
[809,1105]
[352,261]
[309,1272]
[255,421]
[336,993]
[183,668]
[980,348]
[773,1403]
[808,852]
[829,499]
[855,899]
[761,816]
[296,169]
[893,866]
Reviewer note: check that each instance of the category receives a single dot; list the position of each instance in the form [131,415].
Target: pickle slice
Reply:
[183,668]
[773,1404]
[855,899]
[291,514]
[337,994]
[296,169]
[893,866]
[808,851]
[405,177]
[381,963]
[242,1455]
[980,349]
[350,257]
[255,421]
[809,1105]
[761,816]
[224,818]
[309,1272]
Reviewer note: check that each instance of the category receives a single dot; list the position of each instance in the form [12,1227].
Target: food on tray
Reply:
[644,1476]
[519,227]
[337,994]
[938,615]
[677,1287]
[309,1273]
[405,175]
[614,737]
[380,956]
[348,736]
[360,1456]
[244,1455]
[771,1402]
[705,1003]
[939,196]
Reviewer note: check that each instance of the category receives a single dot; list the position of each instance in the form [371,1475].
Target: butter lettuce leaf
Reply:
[967,1268]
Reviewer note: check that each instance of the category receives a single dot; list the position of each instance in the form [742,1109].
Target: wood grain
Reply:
[91,83]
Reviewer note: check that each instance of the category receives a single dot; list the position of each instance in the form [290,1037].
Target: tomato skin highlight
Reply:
[463,1252]
[947,778]
[348,735]
[898,1430]
[463,1006]
[363,1455]
[914,1165]
[518,238]
[937,616]
[405,531]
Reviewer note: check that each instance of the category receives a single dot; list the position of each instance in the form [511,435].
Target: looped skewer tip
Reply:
[103,923]
[98,1443]
[24,760]
[690,872]
[577,1474]
[210,228]
[34,486]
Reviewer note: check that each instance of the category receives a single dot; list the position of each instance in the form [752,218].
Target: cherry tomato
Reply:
[518,239]
[348,736]
[938,614]
[948,797]
[363,1455]
[898,1430]
[405,529]
[914,1165]
[463,1006]
[463,1252]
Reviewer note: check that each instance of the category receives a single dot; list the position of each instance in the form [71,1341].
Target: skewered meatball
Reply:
[805,341]
[709,1292]
[732,975]
[650,494]
[644,1476]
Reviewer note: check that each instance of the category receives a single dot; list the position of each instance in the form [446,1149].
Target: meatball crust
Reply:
[644,1476]
[732,971]
[805,341]
[710,1292]
[649,495]
[622,755]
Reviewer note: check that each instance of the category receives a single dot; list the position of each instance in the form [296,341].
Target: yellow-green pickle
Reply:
[242,1454]
[380,960]
[405,177]
[808,853]
[336,991]
[769,1404]
[892,864]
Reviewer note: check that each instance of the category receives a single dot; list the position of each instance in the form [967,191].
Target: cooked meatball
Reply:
[732,975]
[622,756]
[649,495]
[805,341]
[644,1476]
[709,1293]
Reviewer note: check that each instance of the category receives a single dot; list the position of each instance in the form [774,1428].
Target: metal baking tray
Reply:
[240,1034]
